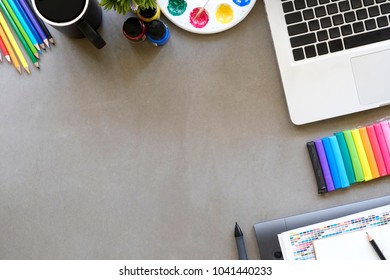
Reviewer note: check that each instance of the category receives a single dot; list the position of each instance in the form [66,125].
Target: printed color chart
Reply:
[297,244]
[351,156]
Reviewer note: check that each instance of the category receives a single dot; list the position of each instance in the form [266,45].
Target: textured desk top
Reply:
[138,152]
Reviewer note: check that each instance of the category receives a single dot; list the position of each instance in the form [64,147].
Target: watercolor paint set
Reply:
[206,16]
[351,156]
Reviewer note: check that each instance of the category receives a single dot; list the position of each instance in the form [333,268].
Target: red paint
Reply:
[201,20]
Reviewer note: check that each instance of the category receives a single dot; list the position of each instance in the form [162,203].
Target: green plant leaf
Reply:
[123,6]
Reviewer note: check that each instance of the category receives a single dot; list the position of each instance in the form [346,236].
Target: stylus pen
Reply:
[375,246]
[240,243]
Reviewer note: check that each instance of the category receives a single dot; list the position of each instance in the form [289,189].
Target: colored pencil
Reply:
[34,21]
[3,48]
[26,22]
[25,45]
[30,53]
[5,44]
[41,23]
[19,20]
[16,25]
[376,247]
[12,41]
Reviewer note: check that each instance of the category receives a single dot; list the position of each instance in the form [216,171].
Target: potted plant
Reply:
[124,6]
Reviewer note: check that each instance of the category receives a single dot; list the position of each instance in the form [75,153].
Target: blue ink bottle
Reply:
[157,32]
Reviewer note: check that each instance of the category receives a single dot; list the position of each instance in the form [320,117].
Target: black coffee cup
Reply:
[74,18]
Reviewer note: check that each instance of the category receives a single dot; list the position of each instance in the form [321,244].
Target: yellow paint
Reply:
[224,13]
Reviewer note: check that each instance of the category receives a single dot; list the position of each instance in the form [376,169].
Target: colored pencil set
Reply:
[28,28]
[351,156]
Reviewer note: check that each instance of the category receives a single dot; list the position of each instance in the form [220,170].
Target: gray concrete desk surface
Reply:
[138,152]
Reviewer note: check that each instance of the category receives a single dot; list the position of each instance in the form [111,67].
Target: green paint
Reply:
[177,7]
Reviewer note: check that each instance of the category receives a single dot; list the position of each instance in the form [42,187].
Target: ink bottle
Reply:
[134,30]
[157,32]
[147,15]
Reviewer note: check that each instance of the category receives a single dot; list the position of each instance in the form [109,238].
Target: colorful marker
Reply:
[357,167]
[383,146]
[332,163]
[346,157]
[369,152]
[324,165]
[339,161]
[321,185]
[386,133]
[351,156]
[362,154]
[377,151]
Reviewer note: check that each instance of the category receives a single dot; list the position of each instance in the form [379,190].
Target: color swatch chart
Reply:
[351,156]
[22,34]
[297,244]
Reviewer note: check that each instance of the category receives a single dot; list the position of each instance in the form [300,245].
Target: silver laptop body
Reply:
[331,65]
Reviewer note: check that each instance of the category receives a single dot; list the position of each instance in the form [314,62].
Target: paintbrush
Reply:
[200,10]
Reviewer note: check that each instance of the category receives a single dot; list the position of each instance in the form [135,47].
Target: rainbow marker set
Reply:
[351,156]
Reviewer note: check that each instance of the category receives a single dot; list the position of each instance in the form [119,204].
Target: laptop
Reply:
[333,55]
[267,232]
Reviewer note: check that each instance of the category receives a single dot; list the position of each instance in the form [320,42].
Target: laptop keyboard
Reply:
[320,27]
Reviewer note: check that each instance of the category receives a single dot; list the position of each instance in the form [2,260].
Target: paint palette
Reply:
[217,16]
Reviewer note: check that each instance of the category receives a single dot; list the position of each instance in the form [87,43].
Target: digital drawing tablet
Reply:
[267,232]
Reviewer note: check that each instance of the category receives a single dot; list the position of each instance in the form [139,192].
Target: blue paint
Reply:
[241,3]
[158,33]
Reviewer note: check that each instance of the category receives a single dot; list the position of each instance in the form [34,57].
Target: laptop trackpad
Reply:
[372,75]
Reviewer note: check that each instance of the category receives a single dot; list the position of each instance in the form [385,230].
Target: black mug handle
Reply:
[91,34]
